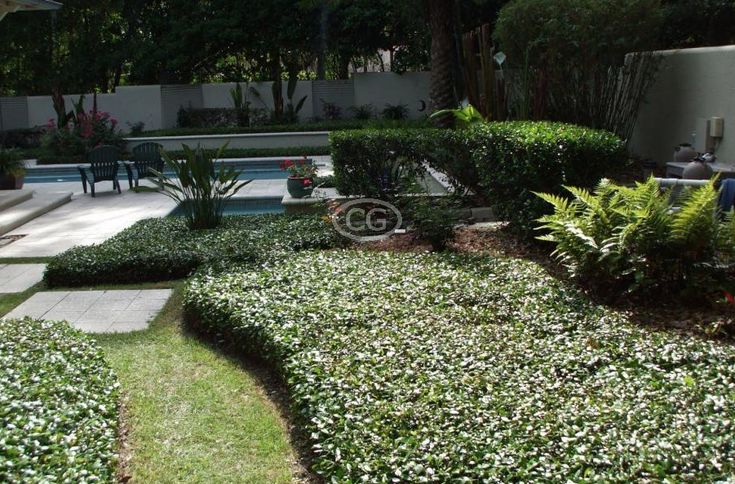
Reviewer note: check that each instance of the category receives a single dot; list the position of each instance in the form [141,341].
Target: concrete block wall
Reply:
[692,86]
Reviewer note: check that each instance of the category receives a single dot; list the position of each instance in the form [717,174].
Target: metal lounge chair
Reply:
[146,157]
[103,166]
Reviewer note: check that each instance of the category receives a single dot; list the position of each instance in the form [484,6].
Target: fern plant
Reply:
[640,237]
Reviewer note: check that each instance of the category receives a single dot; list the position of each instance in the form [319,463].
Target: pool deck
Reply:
[86,220]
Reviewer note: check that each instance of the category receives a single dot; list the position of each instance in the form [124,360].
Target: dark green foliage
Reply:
[164,248]
[11,162]
[58,405]
[21,138]
[395,112]
[335,125]
[698,23]
[433,219]
[520,158]
[503,163]
[629,237]
[571,57]
[363,112]
[442,368]
[205,118]
[376,163]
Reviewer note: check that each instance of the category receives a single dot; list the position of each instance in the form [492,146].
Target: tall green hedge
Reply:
[515,159]
[503,163]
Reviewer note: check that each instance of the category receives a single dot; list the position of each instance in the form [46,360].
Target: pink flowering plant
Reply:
[82,132]
[301,168]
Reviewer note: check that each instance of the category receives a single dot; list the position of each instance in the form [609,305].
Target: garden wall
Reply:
[693,85]
[157,106]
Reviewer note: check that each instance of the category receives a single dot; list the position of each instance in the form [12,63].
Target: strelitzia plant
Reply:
[200,188]
[464,116]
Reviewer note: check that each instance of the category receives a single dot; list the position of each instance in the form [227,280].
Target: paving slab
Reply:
[19,277]
[96,311]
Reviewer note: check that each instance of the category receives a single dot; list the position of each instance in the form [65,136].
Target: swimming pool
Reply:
[253,169]
[245,206]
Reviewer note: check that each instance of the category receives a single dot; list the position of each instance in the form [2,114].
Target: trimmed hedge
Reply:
[503,163]
[527,157]
[337,125]
[58,405]
[365,161]
[162,249]
[449,368]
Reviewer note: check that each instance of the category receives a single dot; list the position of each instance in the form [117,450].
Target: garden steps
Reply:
[9,198]
[13,216]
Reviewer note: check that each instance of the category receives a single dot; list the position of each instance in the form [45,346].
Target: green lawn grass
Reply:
[191,414]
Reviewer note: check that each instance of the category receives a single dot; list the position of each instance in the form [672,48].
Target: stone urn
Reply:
[697,170]
[684,153]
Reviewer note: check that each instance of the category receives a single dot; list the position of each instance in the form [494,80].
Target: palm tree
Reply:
[441,22]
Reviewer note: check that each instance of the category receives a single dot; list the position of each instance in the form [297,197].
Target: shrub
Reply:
[58,405]
[433,219]
[443,368]
[338,125]
[363,112]
[632,237]
[164,248]
[503,163]
[375,163]
[207,117]
[21,138]
[395,112]
[525,157]
[331,110]
[83,131]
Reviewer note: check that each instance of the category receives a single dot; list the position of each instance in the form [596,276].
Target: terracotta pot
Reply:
[684,153]
[11,182]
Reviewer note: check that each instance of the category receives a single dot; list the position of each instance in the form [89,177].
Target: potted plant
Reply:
[301,175]
[12,170]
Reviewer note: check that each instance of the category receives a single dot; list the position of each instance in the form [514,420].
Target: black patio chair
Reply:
[146,157]
[103,166]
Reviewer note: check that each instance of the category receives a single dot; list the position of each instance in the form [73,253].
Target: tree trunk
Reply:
[441,22]
[321,62]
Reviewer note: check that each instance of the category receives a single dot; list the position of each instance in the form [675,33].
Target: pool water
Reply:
[66,176]
[266,169]
[245,206]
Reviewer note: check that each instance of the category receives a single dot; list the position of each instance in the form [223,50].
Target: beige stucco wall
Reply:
[381,88]
[157,106]
[692,86]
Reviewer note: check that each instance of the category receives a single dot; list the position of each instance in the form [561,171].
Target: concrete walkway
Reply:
[19,277]
[86,220]
[96,311]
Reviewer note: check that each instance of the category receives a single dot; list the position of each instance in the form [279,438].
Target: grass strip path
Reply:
[191,414]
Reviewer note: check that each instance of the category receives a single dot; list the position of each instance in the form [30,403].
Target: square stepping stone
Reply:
[96,311]
[19,277]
